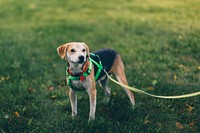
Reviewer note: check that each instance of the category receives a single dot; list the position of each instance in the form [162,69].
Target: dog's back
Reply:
[107,58]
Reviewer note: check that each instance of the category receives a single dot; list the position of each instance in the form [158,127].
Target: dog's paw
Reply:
[74,114]
[132,102]
[133,106]
[106,100]
[91,118]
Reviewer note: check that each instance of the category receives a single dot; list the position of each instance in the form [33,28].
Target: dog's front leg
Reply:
[73,101]
[92,96]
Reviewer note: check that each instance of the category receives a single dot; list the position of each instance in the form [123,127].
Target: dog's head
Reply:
[74,52]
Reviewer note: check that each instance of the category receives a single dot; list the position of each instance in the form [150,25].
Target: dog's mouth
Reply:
[81,60]
[78,62]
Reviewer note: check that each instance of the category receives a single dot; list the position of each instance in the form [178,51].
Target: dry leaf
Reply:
[180,37]
[189,108]
[147,121]
[2,78]
[174,77]
[114,93]
[191,124]
[50,88]
[7,116]
[150,88]
[154,82]
[184,68]
[53,97]
[179,126]
[31,90]
[181,66]
[159,124]
[17,114]
[198,67]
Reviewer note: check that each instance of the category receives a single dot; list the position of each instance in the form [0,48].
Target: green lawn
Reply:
[159,41]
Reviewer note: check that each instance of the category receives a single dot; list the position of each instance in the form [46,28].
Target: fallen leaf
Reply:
[7,116]
[174,77]
[191,124]
[50,88]
[2,78]
[53,97]
[184,68]
[147,121]
[17,114]
[150,88]
[198,67]
[31,90]
[179,126]
[154,82]
[189,108]
[159,124]
[180,37]
[114,93]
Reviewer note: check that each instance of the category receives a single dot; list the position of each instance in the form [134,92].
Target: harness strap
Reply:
[86,73]
[100,66]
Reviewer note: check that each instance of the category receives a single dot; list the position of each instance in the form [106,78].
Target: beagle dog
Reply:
[83,68]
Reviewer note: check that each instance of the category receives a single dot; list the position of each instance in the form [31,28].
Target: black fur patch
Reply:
[107,57]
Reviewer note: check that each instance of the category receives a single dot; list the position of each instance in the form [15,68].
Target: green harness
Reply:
[86,73]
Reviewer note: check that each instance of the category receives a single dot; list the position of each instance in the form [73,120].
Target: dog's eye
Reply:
[72,50]
[83,50]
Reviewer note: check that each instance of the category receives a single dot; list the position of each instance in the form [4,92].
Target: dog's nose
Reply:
[81,58]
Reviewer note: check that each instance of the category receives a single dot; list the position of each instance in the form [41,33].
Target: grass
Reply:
[158,40]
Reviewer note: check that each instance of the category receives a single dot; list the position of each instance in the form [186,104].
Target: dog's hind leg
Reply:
[104,85]
[118,71]
[123,80]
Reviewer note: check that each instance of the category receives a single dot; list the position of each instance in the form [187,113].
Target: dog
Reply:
[83,68]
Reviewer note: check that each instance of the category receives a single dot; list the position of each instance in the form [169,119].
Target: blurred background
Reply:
[159,41]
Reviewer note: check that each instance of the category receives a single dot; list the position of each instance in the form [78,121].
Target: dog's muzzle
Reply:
[81,59]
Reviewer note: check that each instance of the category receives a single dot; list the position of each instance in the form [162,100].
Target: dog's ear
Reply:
[62,50]
[87,50]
